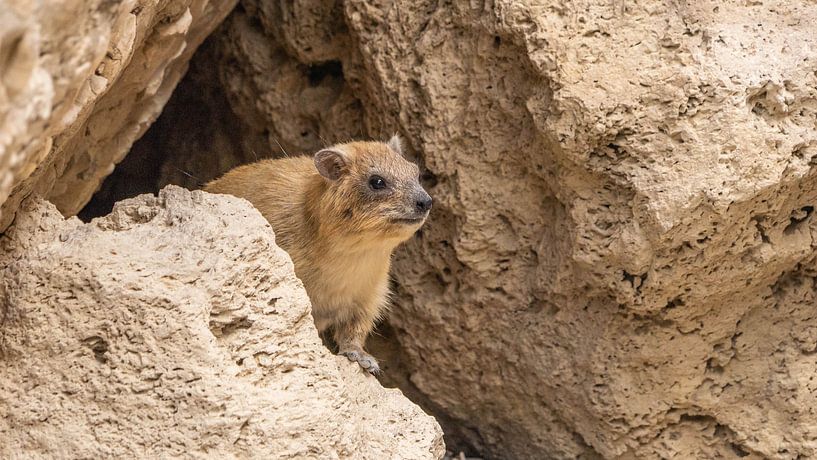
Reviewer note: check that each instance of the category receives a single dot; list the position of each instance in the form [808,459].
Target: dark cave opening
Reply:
[196,138]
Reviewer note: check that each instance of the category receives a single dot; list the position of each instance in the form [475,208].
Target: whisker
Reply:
[280,146]
[199,182]
[325,144]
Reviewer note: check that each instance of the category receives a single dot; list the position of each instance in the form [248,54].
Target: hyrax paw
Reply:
[366,361]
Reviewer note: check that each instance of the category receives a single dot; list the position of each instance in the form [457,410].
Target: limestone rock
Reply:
[622,260]
[80,81]
[176,327]
[624,247]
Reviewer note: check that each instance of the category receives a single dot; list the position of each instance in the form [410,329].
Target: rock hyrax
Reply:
[339,215]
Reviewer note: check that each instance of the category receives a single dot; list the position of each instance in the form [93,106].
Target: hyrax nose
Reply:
[424,202]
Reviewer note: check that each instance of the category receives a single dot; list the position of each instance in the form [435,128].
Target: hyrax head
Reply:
[373,189]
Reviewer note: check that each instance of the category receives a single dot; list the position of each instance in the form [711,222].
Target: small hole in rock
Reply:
[317,73]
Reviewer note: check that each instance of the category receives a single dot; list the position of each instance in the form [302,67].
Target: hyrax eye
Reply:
[377,183]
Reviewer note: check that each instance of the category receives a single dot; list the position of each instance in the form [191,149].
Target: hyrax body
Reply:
[339,215]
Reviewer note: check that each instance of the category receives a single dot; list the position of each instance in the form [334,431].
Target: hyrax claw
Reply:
[366,361]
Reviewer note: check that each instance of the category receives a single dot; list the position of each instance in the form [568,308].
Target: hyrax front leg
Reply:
[350,338]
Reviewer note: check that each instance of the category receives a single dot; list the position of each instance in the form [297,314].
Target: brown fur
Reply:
[340,232]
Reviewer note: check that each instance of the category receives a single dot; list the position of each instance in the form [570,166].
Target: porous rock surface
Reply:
[175,327]
[621,260]
[80,81]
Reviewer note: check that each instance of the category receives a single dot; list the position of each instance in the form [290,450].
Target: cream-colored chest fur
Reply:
[345,284]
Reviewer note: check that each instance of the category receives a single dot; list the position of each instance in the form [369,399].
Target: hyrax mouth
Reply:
[409,220]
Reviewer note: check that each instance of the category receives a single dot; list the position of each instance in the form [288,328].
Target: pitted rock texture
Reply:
[80,81]
[175,327]
[621,257]
[624,247]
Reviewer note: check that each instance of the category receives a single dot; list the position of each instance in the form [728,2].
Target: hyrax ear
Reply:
[331,162]
[396,144]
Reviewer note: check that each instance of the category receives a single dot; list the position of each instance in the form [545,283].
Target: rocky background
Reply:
[620,262]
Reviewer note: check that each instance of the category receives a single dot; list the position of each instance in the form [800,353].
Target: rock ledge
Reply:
[175,326]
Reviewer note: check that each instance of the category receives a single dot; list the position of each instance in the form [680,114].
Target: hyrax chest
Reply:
[348,283]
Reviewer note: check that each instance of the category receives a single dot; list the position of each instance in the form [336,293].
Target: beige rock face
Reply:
[176,327]
[80,81]
[620,261]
